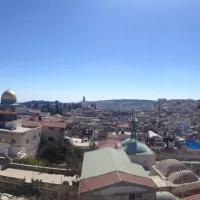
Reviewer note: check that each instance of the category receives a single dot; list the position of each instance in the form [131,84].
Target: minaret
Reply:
[133,126]
[84,103]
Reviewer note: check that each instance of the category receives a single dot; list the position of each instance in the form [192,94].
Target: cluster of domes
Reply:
[186,175]
[176,172]
[8,97]
[169,166]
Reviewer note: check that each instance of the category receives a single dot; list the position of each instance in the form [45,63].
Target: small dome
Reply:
[8,97]
[169,166]
[165,196]
[185,176]
[132,146]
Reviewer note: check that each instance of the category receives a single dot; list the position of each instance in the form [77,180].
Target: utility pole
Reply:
[182,183]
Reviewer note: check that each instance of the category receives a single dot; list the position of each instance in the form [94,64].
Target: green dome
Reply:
[132,146]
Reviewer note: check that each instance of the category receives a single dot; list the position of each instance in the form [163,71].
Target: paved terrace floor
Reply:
[10,197]
[47,178]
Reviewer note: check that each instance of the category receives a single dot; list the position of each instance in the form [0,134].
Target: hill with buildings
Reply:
[123,104]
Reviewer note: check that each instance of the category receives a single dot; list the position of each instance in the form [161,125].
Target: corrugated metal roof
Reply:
[108,160]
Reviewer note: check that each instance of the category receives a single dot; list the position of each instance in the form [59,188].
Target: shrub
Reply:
[29,161]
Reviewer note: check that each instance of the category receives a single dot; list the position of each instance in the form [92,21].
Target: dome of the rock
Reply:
[8,97]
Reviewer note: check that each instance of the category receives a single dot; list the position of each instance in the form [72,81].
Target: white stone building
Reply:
[51,131]
[17,141]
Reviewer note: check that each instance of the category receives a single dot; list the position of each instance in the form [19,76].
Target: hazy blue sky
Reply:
[103,49]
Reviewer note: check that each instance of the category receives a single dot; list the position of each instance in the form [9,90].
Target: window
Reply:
[27,141]
[51,129]
[13,141]
[50,138]
[136,196]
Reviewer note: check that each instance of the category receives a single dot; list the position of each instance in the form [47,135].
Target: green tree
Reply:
[35,106]
[64,105]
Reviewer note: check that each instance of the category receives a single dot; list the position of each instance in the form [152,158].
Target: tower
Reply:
[133,126]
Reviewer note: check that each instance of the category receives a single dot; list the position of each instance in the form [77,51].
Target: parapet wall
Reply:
[181,157]
[17,186]
[185,188]
[66,172]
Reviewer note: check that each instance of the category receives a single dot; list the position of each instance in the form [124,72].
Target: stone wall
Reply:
[68,172]
[31,139]
[21,187]
[185,188]
[55,133]
[181,157]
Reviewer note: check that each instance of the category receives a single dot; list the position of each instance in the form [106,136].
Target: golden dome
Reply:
[8,97]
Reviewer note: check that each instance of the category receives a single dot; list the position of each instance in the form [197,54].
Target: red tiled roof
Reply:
[106,143]
[44,124]
[193,195]
[98,182]
[123,125]
[120,137]
[7,112]
[112,140]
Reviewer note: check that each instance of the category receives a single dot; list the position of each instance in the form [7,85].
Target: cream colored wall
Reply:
[147,196]
[7,137]
[124,197]
[11,149]
[31,139]
[56,134]
[4,148]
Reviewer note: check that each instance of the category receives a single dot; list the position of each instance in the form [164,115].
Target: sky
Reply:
[102,49]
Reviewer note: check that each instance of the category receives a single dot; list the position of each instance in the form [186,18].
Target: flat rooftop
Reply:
[47,178]
[80,142]
[18,130]
[5,196]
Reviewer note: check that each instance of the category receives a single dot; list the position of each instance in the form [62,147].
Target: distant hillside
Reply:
[123,104]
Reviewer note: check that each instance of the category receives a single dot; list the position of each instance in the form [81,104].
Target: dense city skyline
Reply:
[100,49]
